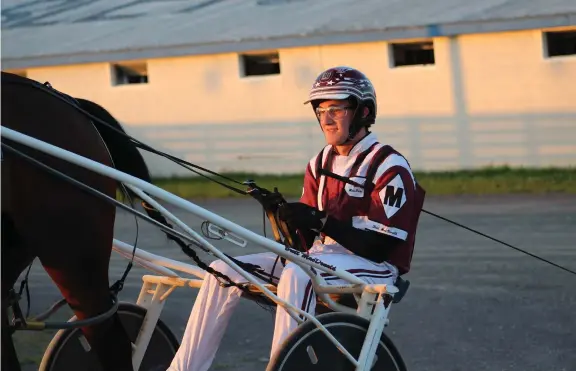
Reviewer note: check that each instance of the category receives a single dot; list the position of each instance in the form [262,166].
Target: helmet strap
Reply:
[356,124]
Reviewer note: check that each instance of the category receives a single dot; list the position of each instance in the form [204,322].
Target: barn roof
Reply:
[36,33]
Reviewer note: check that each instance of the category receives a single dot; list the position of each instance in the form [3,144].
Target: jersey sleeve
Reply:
[392,200]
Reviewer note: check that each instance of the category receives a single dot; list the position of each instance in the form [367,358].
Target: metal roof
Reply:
[36,33]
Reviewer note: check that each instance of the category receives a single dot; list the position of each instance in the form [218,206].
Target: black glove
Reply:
[301,216]
[269,200]
[272,200]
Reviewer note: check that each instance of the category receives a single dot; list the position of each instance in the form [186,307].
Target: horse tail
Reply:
[125,156]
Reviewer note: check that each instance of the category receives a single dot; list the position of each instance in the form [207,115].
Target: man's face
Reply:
[335,117]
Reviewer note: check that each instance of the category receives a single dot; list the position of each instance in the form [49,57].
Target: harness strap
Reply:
[320,170]
[378,158]
[320,167]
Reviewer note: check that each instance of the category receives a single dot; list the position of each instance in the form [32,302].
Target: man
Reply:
[359,197]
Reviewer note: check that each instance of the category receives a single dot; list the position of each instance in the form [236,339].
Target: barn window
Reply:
[259,64]
[411,54]
[129,73]
[559,43]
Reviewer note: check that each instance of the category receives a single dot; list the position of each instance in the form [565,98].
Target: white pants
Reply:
[214,304]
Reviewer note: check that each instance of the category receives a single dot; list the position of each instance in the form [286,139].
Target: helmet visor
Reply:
[327,96]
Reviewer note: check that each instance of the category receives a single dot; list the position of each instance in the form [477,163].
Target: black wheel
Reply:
[308,349]
[67,350]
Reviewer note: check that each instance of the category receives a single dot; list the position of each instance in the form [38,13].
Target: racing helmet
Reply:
[346,83]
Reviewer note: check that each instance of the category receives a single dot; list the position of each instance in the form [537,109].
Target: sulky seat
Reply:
[342,299]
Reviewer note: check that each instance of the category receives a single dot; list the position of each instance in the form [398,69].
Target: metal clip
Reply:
[229,236]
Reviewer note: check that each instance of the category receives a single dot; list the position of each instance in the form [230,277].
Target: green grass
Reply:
[500,180]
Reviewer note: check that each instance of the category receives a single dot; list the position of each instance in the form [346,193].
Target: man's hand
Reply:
[301,216]
[271,200]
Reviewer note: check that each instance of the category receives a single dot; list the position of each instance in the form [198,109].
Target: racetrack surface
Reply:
[473,304]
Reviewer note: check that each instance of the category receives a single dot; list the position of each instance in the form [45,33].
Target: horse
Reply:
[69,230]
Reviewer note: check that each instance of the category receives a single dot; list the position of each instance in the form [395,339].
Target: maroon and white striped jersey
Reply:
[389,202]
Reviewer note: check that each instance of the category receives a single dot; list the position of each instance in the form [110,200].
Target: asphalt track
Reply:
[473,304]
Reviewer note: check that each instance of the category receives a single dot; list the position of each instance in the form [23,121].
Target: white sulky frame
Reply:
[156,288]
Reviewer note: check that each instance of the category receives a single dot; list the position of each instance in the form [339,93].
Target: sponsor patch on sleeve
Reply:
[393,196]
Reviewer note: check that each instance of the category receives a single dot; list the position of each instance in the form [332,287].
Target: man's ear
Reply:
[366,112]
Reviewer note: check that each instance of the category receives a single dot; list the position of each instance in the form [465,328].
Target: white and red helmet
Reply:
[346,83]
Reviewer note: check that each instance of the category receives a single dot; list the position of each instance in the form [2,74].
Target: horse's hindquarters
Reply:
[68,229]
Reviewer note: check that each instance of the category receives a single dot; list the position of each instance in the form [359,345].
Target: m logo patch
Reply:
[393,196]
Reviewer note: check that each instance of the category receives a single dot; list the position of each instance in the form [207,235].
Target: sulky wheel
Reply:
[308,349]
[67,350]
